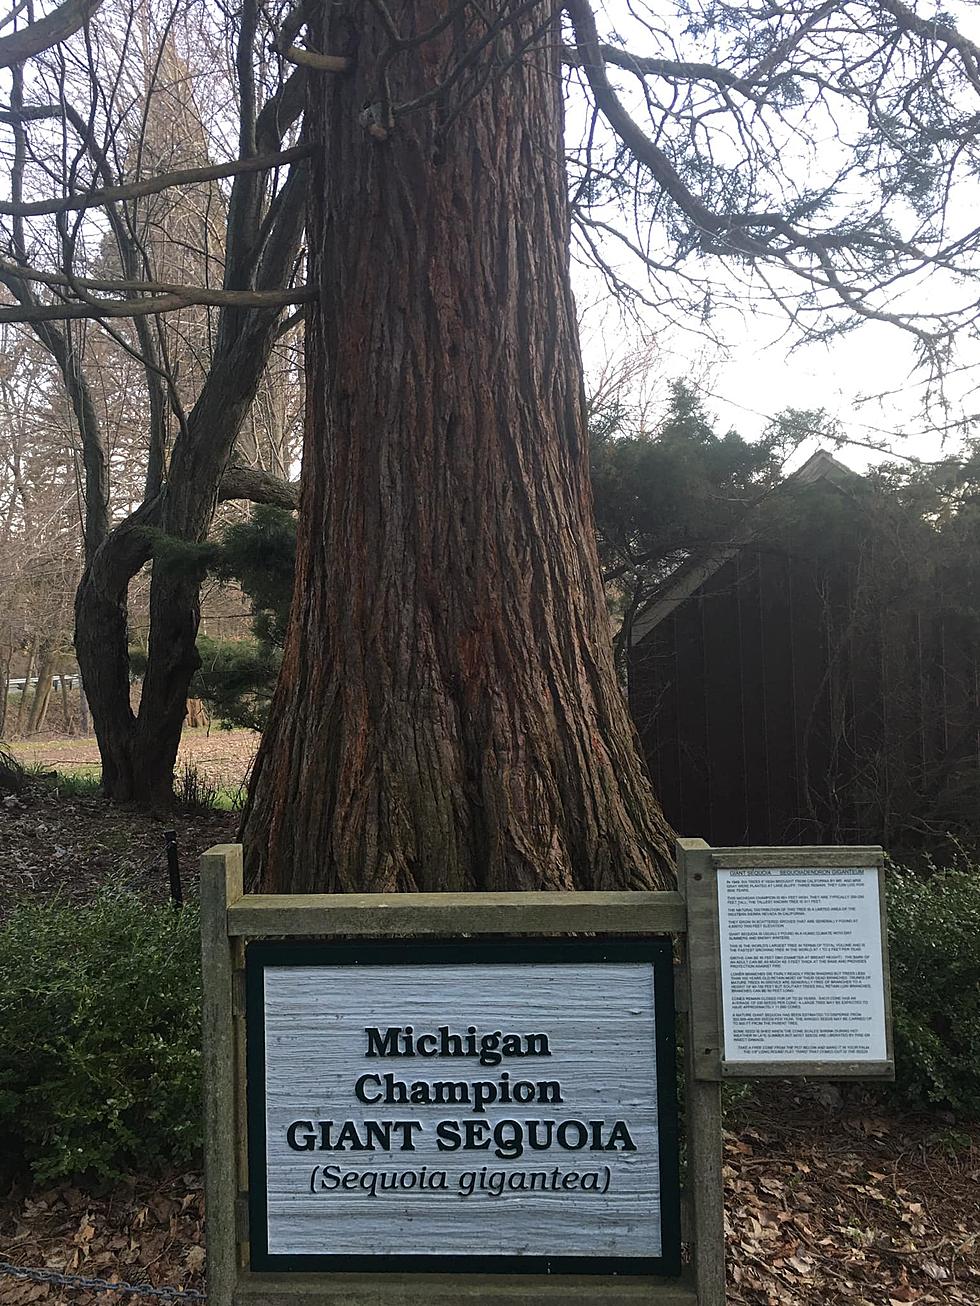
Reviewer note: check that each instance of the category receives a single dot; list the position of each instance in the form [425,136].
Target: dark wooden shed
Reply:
[773,710]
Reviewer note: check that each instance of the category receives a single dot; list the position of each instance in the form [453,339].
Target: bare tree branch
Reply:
[213,296]
[323,63]
[65,21]
[257,486]
[153,185]
[162,303]
[63,348]
[160,381]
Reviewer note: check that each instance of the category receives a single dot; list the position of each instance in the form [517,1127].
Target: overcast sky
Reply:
[866,381]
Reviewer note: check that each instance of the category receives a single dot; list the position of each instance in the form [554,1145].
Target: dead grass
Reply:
[224,756]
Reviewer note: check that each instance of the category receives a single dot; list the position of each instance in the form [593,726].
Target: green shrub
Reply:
[100,1014]
[934,953]
[236,679]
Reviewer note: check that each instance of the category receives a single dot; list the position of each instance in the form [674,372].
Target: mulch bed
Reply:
[56,845]
[856,1206]
[137,1232]
[826,1206]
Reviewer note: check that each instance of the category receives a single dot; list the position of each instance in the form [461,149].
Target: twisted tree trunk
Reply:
[447,716]
[139,749]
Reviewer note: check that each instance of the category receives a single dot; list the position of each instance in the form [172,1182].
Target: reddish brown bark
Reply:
[448,716]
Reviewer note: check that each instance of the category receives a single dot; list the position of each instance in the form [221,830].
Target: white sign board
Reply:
[801,964]
[488,1106]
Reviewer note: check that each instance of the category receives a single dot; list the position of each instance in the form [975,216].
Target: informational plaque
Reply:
[474,1105]
[802,973]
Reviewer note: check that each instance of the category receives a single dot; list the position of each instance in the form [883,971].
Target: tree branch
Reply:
[160,381]
[323,63]
[934,31]
[671,69]
[257,487]
[280,111]
[163,303]
[632,136]
[153,185]
[214,296]
[30,113]
[65,21]
[64,350]
[751,234]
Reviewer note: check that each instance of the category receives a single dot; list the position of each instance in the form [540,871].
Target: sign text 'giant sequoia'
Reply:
[481,1103]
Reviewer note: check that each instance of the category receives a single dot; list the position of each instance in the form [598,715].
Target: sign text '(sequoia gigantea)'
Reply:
[506,1138]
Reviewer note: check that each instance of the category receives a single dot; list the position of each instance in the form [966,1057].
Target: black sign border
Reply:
[657,951]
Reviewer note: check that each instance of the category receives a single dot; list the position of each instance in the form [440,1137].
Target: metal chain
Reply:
[83,1284]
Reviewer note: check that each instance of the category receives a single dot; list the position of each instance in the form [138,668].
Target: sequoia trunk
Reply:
[448,716]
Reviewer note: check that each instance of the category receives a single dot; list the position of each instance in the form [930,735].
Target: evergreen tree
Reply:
[678,490]
[236,677]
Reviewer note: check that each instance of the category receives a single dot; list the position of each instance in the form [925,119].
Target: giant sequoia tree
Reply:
[448,715]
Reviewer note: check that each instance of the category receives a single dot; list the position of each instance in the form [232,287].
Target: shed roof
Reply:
[691,575]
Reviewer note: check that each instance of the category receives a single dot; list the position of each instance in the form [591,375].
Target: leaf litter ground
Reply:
[51,845]
[850,1203]
[840,1205]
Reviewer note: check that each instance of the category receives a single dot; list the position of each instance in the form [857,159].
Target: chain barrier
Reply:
[82,1284]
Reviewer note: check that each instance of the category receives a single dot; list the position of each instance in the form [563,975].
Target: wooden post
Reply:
[702,1097]
[221,886]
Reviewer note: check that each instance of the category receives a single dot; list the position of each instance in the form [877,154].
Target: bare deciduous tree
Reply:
[40,552]
[115,161]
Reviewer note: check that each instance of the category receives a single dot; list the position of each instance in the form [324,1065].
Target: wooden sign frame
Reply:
[702,864]
[229,917]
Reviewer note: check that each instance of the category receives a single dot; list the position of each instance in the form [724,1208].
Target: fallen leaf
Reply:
[935,1271]
[194,1258]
